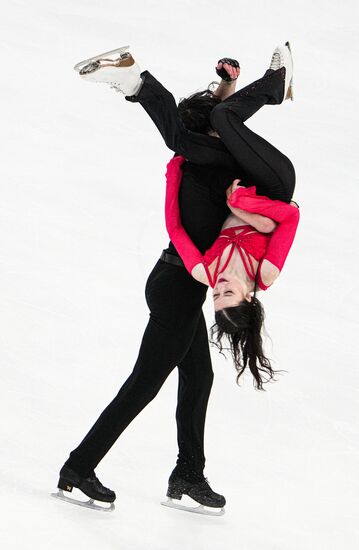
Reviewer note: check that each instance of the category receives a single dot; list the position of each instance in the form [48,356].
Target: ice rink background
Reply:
[81,225]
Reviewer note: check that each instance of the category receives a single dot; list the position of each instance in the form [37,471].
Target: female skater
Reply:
[176,333]
[248,255]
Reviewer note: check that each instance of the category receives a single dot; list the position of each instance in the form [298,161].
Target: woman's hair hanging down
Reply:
[242,325]
[195,110]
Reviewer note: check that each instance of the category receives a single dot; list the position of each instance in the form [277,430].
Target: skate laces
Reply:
[275,61]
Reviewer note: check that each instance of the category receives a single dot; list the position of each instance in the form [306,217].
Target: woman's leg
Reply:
[264,165]
[175,300]
[160,105]
[195,383]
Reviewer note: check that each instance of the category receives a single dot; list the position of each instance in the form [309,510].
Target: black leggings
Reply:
[239,148]
[176,333]
[264,166]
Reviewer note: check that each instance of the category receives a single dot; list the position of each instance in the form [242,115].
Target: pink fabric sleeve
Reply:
[284,214]
[190,255]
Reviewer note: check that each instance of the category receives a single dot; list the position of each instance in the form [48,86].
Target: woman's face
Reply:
[229,292]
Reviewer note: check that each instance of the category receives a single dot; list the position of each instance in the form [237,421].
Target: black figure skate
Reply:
[201,492]
[90,486]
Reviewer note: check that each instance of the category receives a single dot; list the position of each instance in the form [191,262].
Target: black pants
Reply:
[176,333]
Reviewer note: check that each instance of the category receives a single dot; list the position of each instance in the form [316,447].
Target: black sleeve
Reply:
[160,105]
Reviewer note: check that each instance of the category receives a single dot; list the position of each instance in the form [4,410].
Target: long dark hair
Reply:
[195,110]
[242,326]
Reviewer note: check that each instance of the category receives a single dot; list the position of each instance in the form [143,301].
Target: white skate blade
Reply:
[290,89]
[86,504]
[81,64]
[200,509]
[290,86]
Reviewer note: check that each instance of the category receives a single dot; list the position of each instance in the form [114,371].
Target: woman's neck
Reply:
[235,268]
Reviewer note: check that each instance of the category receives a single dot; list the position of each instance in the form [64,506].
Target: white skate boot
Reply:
[120,70]
[282,57]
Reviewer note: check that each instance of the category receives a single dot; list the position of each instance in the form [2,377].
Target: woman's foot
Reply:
[282,57]
[117,68]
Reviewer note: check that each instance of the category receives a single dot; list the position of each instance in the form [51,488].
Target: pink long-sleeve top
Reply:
[250,243]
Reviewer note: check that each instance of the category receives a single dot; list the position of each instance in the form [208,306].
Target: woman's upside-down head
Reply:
[239,317]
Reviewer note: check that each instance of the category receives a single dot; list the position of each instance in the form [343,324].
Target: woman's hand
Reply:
[232,188]
[228,69]
[259,222]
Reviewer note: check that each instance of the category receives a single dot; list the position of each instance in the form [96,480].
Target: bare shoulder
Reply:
[199,273]
[269,272]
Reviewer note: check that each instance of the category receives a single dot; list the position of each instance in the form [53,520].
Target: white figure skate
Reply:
[85,503]
[116,67]
[282,57]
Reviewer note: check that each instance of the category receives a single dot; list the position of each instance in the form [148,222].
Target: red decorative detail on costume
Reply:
[244,238]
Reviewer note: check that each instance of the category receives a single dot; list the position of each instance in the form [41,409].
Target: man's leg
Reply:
[175,300]
[195,383]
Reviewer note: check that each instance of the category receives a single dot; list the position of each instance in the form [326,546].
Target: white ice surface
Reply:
[81,225]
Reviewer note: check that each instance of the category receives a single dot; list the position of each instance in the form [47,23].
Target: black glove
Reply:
[222,72]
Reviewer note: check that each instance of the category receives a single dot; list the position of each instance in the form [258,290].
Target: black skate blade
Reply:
[200,509]
[85,504]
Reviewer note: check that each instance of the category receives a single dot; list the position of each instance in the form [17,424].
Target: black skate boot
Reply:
[200,491]
[90,486]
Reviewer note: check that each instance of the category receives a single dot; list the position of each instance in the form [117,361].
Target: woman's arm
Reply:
[227,88]
[287,217]
[259,222]
[191,256]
